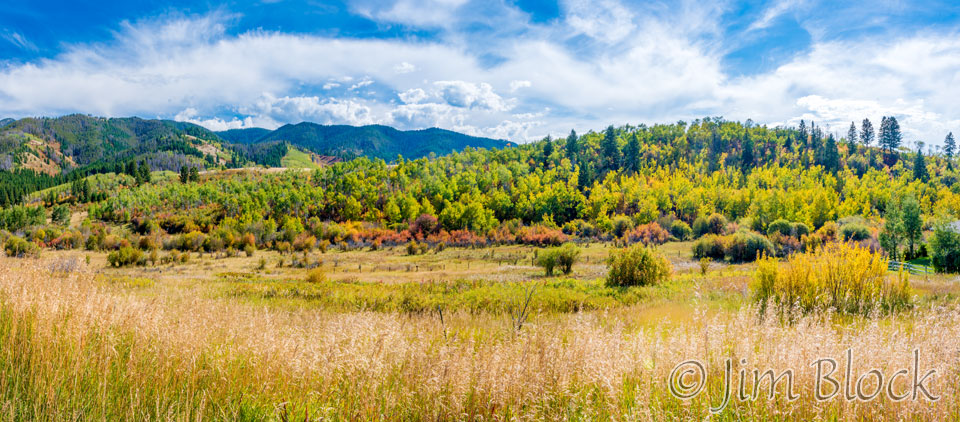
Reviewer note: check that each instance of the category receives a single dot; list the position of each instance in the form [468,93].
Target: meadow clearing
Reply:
[441,336]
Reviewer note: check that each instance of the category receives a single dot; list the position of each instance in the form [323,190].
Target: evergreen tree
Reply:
[890,135]
[866,132]
[194,174]
[747,155]
[949,145]
[143,173]
[852,134]
[184,174]
[573,146]
[631,154]
[547,150]
[131,168]
[803,133]
[830,155]
[920,165]
[610,150]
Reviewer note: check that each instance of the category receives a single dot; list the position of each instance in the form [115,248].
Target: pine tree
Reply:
[573,146]
[949,145]
[920,165]
[184,174]
[747,155]
[194,174]
[866,132]
[852,134]
[830,155]
[547,150]
[803,133]
[631,154]
[610,150]
[890,135]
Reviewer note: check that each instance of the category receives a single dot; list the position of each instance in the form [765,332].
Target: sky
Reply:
[506,69]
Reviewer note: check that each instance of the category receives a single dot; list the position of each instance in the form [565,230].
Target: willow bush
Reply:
[845,278]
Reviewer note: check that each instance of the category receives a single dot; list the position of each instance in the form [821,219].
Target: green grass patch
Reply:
[296,159]
[559,295]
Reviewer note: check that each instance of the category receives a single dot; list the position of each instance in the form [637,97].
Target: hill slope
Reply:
[375,140]
[52,145]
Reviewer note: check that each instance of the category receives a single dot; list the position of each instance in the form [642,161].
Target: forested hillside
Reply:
[770,190]
[373,141]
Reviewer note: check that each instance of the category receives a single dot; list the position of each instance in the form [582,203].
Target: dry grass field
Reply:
[206,340]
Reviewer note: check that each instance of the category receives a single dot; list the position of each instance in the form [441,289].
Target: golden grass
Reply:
[74,347]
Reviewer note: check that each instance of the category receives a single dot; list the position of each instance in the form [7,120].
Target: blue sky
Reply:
[513,69]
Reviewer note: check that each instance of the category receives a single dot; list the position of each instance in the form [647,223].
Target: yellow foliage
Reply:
[842,277]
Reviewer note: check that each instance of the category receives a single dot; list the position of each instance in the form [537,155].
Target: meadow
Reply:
[441,336]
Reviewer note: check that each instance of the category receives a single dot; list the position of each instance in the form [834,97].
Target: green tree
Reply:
[911,223]
[852,134]
[890,135]
[891,235]
[747,155]
[184,174]
[547,151]
[920,165]
[610,150]
[573,146]
[866,132]
[949,146]
[631,154]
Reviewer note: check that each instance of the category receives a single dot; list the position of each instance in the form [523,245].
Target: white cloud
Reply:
[404,67]
[19,40]
[604,20]
[191,69]
[515,85]
[471,95]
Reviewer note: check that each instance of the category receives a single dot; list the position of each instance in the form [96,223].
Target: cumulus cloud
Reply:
[193,69]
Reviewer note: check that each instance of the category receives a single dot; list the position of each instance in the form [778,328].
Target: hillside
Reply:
[375,140]
[243,136]
[55,145]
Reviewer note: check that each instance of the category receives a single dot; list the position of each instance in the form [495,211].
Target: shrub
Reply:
[681,230]
[18,247]
[800,230]
[541,236]
[842,277]
[780,226]
[944,249]
[562,258]
[249,250]
[621,225]
[716,223]
[637,266]
[854,232]
[649,234]
[424,225]
[316,275]
[700,226]
[710,246]
[125,256]
[417,248]
[745,246]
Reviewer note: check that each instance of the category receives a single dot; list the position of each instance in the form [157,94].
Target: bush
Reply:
[800,230]
[417,248]
[424,224]
[716,223]
[17,247]
[648,234]
[944,249]
[842,277]
[854,232]
[681,230]
[316,275]
[562,258]
[125,256]
[745,246]
[780,226]
[621,225]
[710,246]
[637,266]
[249,250]
[700,226]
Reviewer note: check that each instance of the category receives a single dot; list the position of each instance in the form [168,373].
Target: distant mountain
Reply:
[52,145]
[375,140]
[243,136]
[61,144]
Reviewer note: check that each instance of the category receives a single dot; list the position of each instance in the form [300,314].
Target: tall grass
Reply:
[841,277]
[72,348]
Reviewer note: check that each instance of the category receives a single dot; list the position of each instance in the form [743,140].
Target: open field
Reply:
[220,338]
